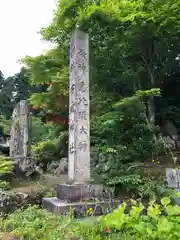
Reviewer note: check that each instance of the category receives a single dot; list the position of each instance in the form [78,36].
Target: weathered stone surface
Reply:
[10,201]
[73,192]
[79,192]
[173,179]
[100,192]
[79,209]
[57,168]
[172,176]
[20,131]
[24,166]
[20,141]
[4,200]
[178,179]
[79,129]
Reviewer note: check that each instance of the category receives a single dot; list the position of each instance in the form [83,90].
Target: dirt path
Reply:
[47,180]
[6,236]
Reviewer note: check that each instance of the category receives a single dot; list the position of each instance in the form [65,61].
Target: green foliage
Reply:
[139,96]
[5,172]
[13,89]
[50,69]
[6,165]
[42,131]
[159,222]
[4,125]
[34,223]
[48,148]
[45,152]
[124,139]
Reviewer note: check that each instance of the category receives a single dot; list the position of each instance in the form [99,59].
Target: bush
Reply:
[5,172]
[34,223]
[158,222]
[124,139]
[5,125]
[45,153]
[42,131]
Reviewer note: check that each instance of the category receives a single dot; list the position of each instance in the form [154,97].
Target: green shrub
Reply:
[5,125]
[42,131]
[45,152]
[34,223]
[158,222]
[5,172]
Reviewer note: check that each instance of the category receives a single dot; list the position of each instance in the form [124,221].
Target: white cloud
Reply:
[20,20]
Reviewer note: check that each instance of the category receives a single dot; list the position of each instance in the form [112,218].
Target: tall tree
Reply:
[134,44]
[13,89]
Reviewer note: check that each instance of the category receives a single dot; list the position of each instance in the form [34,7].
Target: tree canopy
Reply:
[134,45]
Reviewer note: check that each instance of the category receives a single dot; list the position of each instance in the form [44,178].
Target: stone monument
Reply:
[75,193]
[79,142]
[173,178]
[20,141]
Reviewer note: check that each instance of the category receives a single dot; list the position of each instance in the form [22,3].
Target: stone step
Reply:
[81,208]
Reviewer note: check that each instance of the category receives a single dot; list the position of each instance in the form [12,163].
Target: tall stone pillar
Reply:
[79,127]
[71,195]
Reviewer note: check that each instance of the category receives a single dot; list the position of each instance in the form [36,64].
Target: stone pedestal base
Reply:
[78,198]
[73,192]
[80,209]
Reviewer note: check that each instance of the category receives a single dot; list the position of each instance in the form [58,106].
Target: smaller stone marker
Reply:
[20,140]
[173,178]
[20,131]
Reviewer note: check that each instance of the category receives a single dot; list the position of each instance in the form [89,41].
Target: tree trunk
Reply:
[150,102]
[151,111]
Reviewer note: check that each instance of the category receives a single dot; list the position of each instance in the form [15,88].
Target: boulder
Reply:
[57,168]
[22,197]
[100,191]
[24,166]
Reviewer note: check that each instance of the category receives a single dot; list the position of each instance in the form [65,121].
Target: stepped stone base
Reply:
[73,192]
[80,209]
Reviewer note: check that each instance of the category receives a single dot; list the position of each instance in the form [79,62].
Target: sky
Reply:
[20,20]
